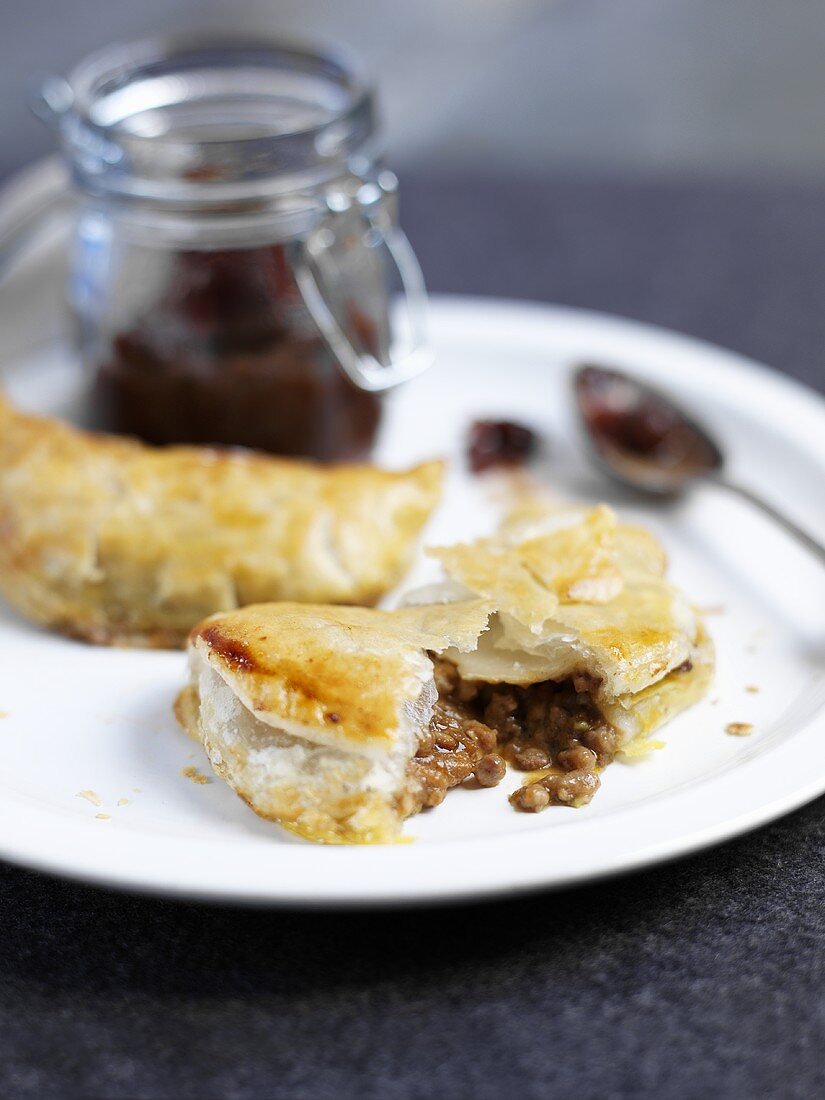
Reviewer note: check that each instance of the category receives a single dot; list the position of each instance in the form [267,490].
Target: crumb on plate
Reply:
[192,773]
[90,796]
[739,729]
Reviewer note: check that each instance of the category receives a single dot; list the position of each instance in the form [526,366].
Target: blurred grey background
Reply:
[730,89]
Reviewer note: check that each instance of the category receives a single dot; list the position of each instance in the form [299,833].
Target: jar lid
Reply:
[210,122]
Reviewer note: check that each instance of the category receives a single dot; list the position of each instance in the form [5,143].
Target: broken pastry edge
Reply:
[630,636]
[545,563]
[311,788]
[346,673]
[370,787]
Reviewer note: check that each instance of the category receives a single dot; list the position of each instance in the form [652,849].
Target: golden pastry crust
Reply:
[347,672]
[532,577]
[312,714]
[638,715]
[580,592]
[112,541]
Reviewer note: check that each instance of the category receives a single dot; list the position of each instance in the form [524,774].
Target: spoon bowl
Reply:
[642,439]
[639,436]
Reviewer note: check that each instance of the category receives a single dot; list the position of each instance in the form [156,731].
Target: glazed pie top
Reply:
[574,590]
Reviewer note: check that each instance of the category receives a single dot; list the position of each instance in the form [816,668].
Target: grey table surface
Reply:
[701,978]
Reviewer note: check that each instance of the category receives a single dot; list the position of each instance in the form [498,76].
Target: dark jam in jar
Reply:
[228,355]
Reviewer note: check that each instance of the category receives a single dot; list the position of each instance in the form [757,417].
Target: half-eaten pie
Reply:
[553,646]
[107,539]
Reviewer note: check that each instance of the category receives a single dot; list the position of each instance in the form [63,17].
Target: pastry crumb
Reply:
[90,796]
[192,773]
[739,729]
[103,817]
[4,714]
[137,790]
[752,688]
[123,802]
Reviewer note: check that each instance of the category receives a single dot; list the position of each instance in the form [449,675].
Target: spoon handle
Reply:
[814,545]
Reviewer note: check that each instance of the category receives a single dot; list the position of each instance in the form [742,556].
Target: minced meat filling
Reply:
[541,726]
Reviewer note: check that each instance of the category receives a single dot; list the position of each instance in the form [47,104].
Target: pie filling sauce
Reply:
[554,729]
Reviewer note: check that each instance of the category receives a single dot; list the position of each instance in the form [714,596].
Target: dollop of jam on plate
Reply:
[496,443]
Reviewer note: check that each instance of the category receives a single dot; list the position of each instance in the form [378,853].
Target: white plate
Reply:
[79,718]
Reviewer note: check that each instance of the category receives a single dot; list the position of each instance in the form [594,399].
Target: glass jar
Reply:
[235,246]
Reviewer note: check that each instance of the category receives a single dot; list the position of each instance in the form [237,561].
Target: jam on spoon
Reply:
[641,436]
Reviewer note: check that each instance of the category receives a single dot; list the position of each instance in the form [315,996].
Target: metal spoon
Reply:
[641,439]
